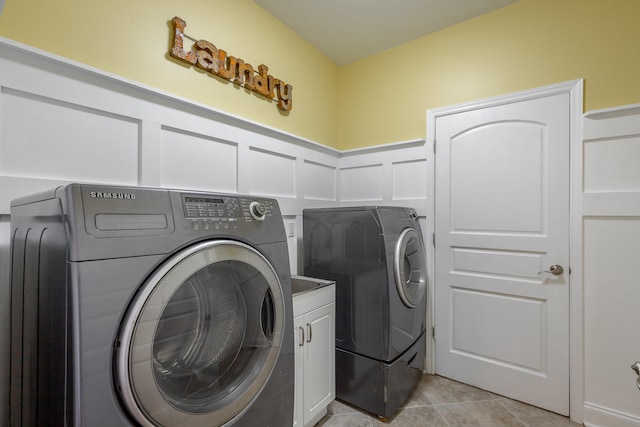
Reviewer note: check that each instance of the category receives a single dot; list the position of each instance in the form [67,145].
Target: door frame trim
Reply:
[575,90]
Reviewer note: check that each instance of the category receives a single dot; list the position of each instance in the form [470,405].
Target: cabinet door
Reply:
[298,400]
[319,356]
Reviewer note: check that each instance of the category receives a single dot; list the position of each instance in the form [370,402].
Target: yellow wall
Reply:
[378,100]
[531,43]
[132,39]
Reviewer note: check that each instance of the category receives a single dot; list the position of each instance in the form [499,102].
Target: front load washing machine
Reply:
[376,256]
[152,307]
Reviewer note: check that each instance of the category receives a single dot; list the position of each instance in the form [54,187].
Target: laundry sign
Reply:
[207,56]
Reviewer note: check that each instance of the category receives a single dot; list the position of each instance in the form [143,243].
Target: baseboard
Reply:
[599,416]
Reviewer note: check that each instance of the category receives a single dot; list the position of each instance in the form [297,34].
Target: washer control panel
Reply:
[196,206]
[218,211]
[256,210]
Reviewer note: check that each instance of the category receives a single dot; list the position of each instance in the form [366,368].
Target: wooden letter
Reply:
[285,101]
[207,56]
[261,81]
[244,77]
[228,65]
[177,50]
[272,83]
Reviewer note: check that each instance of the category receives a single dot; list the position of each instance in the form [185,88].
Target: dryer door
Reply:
[409,267]
[202,336]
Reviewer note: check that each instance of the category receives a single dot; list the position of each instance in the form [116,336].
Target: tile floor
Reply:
[440,402]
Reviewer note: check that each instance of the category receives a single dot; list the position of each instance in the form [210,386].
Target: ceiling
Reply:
[349,30]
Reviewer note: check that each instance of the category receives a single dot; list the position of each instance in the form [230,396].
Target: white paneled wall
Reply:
[362,183]
[198,162]
[611,266]
[63,122]
[409,179]
[394,174]
[272,173]
[315,173]
[98,140]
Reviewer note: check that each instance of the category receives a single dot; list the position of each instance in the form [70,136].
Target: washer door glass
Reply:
[409,267]
[202,336]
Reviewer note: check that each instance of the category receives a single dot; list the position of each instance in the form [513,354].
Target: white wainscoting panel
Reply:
[611,271]
[363,183]
[271,173]
[198,162]
[409,179]
[394,175]
[612,292]
[48,138]
[611,165]
[320,181]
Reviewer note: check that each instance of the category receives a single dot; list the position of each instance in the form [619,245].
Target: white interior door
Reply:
[502,217]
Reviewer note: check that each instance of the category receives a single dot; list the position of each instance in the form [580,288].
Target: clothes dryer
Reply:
[376,257]
[152,307]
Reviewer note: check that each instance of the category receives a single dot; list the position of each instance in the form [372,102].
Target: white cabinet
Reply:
[314,332]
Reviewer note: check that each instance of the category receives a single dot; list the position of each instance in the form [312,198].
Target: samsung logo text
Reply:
[107,195]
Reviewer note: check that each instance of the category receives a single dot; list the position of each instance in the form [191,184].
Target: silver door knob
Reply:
[555,269]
